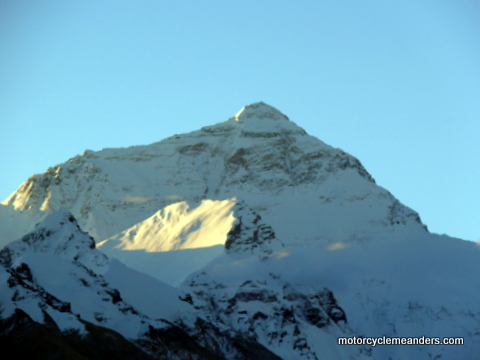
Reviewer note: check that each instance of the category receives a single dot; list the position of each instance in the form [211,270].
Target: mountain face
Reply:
[179,193]
[49,291]
[246,239]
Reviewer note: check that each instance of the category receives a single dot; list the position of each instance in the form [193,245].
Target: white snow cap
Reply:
[259,111]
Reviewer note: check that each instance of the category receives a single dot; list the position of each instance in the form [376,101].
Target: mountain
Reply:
[51,295]
[178,194]
[277,242]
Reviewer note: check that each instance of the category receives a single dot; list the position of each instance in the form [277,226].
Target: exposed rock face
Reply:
[258,303]
[281,316]
[49,293]
[27,339]
[256,156]
[249,235]
[277,244]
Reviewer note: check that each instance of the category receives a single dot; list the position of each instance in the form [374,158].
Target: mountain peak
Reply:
[259,111]
[58,234]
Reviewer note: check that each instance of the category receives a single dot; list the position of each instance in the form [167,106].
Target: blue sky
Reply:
[394,83]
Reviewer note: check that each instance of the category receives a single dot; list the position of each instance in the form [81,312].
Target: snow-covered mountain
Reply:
[277,243]
[55,279]
[177,194]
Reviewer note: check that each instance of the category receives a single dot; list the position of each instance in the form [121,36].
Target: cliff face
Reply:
[243,240]
[259,156]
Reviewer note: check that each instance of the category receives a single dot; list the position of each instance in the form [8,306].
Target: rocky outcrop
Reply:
[278,315]
[51,299]
[249,235]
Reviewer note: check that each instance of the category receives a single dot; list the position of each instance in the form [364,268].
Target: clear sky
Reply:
[394,83]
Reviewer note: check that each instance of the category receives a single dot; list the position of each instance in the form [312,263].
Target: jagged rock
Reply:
[33,297]
[275,238]
[250,235]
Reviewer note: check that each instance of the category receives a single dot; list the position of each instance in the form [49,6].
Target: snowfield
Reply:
[248,238]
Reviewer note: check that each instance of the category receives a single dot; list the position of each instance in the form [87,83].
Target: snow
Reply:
[60,259]
[148,295]
[15,224]
[165,210]
[260,118]
[6,306]
[420,286]
[171,267]
[178,226]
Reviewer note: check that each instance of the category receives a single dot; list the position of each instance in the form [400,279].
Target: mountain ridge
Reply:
[273,238]
[219,162]
[54,294]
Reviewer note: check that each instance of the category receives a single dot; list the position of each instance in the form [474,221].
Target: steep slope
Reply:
[298,301]
[279,242]
[27,339]
[178,194]
[49,291]
[242,291]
